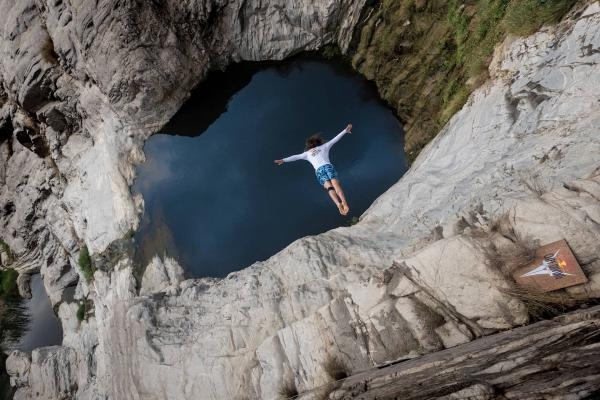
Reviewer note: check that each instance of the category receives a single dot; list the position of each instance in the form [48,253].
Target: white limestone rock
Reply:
[18,365]
[161,275]
[23,285]
[456,270]
[51,374]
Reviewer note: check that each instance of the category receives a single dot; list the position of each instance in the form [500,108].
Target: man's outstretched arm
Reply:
[337,137]
[295,157]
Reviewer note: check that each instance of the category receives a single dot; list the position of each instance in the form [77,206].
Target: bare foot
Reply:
[346,209]
[340,207]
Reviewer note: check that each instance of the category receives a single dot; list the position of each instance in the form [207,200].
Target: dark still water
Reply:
[215,200]
[44,327]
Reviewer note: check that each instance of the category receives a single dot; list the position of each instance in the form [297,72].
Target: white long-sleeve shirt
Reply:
[317,156]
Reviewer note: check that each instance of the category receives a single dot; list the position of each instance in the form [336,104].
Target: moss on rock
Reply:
[427,57]
[85,263]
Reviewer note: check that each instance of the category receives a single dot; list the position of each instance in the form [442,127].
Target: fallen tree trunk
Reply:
[554,359]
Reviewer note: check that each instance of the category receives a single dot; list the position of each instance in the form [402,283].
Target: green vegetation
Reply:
[8,284]
[82,311]
[14,320]
[426,57]
[527,16]
[129,234]
[13,313]
[6,249]
[85,263]
[330,51]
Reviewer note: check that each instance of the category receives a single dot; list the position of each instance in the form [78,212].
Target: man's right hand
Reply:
[349,128]
[278,162]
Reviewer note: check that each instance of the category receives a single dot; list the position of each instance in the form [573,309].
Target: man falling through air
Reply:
[317,153]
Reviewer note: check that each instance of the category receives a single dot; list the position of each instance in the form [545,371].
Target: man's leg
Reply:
[340,194]
[333,194]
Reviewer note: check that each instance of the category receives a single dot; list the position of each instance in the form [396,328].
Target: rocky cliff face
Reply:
[415,275]
[83,85]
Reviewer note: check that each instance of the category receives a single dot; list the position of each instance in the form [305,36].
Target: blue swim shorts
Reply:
[325,173]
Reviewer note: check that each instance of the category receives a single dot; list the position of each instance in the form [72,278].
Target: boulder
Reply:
[161,275]
[18,365]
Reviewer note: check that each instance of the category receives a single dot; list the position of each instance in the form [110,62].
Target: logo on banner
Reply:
[552,265]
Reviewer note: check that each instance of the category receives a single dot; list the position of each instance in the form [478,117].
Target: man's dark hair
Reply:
[314,141]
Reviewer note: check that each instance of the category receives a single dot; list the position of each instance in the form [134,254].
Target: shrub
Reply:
[8,283]
[85,263]
[459,24]
[331,51]
[82,311]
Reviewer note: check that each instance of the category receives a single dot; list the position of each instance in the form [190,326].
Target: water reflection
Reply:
[14,321]
[213,196]
[44,327]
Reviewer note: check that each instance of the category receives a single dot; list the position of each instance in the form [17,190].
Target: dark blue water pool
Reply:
[215,200]
[44,328]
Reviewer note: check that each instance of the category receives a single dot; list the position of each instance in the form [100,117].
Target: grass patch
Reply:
[427,60]
[542,306]
[82,311]
[515,252]
[85,263]
[524,17]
